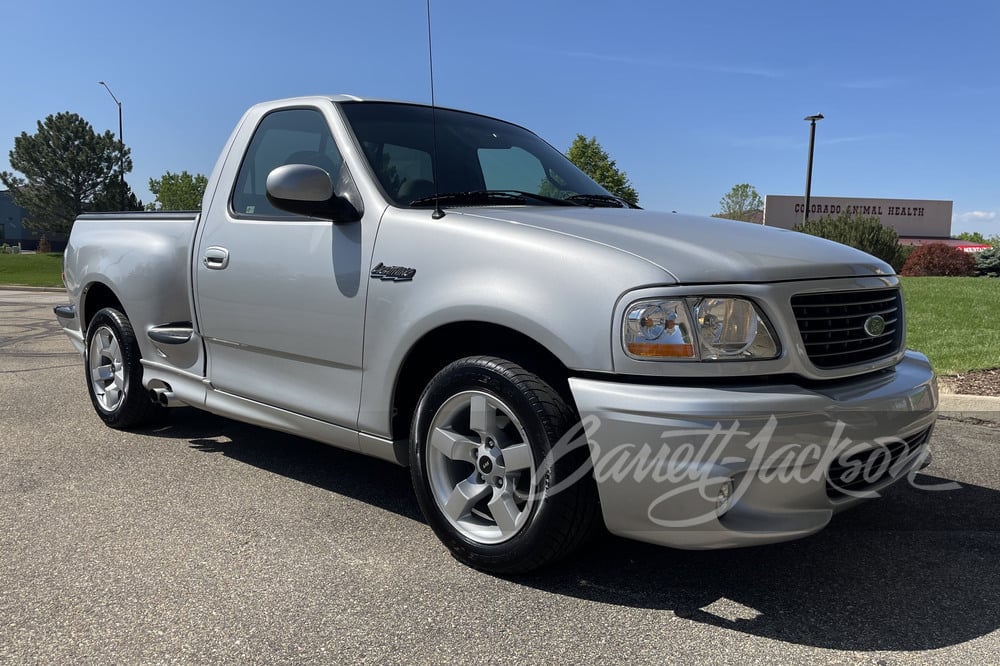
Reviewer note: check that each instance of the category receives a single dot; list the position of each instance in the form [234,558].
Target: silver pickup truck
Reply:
[445,290]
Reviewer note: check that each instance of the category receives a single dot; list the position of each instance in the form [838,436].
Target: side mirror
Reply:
[308,190]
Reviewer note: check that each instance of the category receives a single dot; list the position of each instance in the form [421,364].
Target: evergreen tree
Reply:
[66,169]
[593,160]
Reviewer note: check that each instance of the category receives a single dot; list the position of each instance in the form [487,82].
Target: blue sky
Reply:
[689,98]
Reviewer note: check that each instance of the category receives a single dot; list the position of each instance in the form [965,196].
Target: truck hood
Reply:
[695,250]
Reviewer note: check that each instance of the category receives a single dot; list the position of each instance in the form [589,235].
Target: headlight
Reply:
[659,329]
[707,329]
[732,328]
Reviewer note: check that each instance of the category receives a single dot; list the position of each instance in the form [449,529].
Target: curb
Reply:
[16,287]
[980,407]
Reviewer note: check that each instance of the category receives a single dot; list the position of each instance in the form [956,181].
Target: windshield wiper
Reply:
[600,201]
[490,197]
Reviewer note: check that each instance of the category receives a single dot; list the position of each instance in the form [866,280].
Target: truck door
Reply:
[281,297]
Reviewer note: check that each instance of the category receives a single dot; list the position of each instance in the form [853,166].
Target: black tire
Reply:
[114,372]
[507,512]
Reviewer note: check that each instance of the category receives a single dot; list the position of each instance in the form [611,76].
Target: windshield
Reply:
[476,157]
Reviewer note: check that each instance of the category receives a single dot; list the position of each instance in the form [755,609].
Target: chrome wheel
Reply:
[106,366]
[113,366]
[479,432]
[480,467]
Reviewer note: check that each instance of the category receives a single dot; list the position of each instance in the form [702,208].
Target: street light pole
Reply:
[809,168]
[121,142]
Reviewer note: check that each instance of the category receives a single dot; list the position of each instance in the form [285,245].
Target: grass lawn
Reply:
[32,270]
[955,321]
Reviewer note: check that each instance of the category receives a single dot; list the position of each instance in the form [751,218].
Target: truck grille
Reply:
[849,327]
[852,475]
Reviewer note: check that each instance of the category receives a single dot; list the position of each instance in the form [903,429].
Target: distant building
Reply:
[916,221]
[911,218]
[12,229]
[11,220]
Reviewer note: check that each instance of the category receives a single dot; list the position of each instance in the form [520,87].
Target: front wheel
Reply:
[494,471]
[114,372]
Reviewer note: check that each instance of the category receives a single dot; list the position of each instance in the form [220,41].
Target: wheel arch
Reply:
[450,342]
[96,297]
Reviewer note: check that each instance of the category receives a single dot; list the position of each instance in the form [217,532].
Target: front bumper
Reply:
[712,467]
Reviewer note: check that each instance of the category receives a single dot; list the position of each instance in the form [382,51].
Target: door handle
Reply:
[216,258]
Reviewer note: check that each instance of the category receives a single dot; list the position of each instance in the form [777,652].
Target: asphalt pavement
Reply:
[208,541]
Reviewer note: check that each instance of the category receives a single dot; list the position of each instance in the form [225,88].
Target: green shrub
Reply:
[864,233]
[988,262]
[904,253]
[939,259]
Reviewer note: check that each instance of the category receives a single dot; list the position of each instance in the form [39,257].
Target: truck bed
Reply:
[143,259]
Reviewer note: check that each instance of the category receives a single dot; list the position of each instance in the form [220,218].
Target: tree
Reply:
[594,161]
[864,233]
[988,262]
[178,191]
[66,165]
[977,237]
[110,198]
[972,237]
[740,203]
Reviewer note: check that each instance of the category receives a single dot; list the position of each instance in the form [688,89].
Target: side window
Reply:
[510,169]
[293,136]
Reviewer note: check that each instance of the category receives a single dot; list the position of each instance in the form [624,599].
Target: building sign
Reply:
[909,217]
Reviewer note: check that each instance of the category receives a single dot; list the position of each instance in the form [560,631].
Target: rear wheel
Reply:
[484,477]
[114,372]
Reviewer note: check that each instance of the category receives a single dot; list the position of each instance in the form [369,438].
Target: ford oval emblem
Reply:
[875,326]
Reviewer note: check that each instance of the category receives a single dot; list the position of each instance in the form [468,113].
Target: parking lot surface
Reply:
[205,540]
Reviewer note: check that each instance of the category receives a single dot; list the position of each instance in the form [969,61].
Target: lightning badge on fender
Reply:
[393,273]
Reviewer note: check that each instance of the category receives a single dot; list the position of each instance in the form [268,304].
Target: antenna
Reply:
[438,213]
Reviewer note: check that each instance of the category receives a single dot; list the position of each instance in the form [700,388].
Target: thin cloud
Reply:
[967,92]
[843,139]
[760,72]
[771,142]
[788,142]
[874,84]
[854,139]
[746,71]
[978,216]
[981,221]
[606,57]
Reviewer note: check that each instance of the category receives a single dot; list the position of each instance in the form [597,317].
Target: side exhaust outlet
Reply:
[162,396]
